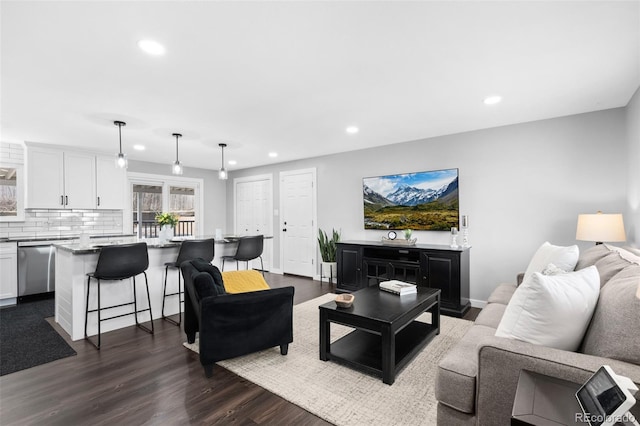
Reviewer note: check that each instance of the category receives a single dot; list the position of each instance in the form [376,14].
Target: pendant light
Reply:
[121,159]
[222,174]
[177,168]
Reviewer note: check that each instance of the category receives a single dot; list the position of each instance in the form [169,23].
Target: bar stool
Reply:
[249,248]
[117,263]
[189,250]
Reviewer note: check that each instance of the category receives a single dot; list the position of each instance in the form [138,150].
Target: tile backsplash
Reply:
[63,223]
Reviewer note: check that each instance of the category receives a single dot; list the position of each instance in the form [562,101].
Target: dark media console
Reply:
[364,264]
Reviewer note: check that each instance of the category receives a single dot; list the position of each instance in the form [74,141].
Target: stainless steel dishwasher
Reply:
[36,267]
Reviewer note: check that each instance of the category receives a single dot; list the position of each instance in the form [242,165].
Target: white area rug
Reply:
[339,394]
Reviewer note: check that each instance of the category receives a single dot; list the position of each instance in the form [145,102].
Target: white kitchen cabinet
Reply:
[45,178]
[110,184]
[60,179]
[79,181]
[8,272]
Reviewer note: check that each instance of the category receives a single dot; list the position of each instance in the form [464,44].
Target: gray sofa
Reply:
[476,381]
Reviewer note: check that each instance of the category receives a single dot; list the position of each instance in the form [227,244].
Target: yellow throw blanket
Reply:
[243,281]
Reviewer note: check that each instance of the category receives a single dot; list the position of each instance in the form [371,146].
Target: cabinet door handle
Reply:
[62,200]
[66,200]
[98,201]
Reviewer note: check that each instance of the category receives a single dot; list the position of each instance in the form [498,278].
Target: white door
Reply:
[297,199]
[253,206]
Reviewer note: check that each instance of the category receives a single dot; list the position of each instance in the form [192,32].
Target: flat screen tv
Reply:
[425,201]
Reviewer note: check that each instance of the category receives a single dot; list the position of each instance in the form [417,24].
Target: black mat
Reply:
[26,339]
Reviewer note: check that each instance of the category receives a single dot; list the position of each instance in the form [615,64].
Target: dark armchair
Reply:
[232,325]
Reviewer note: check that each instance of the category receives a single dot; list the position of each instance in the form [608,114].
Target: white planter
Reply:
[328,270]
[166,233]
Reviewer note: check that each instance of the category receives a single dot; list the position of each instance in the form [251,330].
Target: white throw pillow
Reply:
[564,258]
[553,310]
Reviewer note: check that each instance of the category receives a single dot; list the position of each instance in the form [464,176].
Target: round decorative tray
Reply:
[345,300]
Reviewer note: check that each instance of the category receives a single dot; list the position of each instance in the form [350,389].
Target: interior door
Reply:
[253,205]
[298,216]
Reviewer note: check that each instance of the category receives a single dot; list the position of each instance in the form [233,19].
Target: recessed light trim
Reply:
[352,130]
[492,100]
[151,47]
[273,154]
[232,162]
[139,147]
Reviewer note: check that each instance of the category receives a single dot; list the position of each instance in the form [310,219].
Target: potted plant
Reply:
[167,221]
[328,252]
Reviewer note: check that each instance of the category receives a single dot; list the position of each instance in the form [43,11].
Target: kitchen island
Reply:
[75,261]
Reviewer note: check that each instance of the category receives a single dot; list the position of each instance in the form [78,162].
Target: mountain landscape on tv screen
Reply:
[410,202]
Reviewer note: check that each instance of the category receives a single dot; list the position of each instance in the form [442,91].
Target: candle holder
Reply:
[465,231]
[454,237]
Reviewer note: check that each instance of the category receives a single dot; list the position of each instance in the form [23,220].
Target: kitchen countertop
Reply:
[58,238]
[77,248]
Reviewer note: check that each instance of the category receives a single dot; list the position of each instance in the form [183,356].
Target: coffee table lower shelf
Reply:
[362,350]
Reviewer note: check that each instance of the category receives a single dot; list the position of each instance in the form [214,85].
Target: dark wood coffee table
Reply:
[386,337]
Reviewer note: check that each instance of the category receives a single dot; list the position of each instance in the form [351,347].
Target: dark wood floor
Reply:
[141,379]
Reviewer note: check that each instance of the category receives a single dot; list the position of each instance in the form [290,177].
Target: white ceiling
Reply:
[291,76]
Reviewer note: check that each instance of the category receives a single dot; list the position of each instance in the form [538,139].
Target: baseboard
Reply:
[478,303]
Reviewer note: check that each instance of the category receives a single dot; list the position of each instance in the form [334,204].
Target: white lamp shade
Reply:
[600,228]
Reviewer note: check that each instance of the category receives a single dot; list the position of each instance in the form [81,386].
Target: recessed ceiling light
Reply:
[232,162]
[492,100]
[273,154]
[352,130]
[151,47]
[139,147]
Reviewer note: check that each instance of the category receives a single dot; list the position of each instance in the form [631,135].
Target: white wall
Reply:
[520,185]
[214,209]
[632,217]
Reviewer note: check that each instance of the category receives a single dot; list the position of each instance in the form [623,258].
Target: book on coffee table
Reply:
[398,287]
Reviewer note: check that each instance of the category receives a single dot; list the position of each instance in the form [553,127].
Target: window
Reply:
[147,201]
[152,194]
[182,203]
[11,194]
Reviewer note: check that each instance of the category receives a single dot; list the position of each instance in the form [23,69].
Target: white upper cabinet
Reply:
[79,181]
[58,179]
[110,184]
[45,178]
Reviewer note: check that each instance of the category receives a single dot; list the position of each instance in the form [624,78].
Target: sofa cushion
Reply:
[491,315]
[611,265]
[563,257]
[590,256]
[205,285]
[553,310]
[614,331]
[457,371]
[502,294]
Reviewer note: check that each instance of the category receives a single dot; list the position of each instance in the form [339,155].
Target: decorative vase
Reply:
[166,233]
[328,270]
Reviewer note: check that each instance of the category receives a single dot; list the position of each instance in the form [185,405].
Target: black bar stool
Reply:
[189,250]
[249,248]
[116,263]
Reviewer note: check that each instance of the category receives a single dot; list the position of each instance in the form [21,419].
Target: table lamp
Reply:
[600,228]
